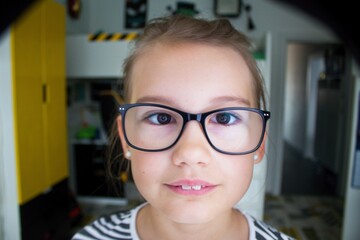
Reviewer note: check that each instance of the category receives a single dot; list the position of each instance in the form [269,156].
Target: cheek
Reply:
[141,166]
[240,173]
[146,169]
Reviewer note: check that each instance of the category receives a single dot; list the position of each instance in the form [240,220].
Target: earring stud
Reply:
[255,157]
[128,154]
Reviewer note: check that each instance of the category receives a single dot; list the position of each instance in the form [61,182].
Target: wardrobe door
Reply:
[27,41]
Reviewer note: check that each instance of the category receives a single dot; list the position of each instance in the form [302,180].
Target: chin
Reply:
[190,214]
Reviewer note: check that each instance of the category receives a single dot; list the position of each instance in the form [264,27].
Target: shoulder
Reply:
[120,225]
[261,230]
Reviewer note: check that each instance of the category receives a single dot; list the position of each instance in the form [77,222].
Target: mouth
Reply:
[186,187]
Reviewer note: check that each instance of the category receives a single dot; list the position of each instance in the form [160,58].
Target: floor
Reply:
[305,217]
[308,208]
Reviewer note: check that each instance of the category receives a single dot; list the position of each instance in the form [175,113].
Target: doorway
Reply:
[314,119]
[311,202]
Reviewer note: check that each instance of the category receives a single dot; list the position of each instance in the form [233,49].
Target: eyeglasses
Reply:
[232,130]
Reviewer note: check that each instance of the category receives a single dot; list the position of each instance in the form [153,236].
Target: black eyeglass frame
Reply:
[200,117]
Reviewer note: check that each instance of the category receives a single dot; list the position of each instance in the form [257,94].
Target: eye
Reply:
[225,118]
[160,118]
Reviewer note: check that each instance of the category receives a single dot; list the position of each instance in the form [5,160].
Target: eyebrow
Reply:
[217,100]
[227,99]
[155,99]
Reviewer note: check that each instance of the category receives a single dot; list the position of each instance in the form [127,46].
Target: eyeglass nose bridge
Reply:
[193,117]
[200,118]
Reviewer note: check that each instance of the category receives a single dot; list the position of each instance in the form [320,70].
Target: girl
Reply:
[192,131]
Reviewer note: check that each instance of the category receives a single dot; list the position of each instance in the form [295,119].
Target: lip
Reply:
[191,187]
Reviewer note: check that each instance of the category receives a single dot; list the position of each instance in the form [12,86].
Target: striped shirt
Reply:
[122,226]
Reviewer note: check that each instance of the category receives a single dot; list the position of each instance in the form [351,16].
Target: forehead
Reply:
[191,72]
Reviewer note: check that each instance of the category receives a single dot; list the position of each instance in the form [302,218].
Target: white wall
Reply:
[95,59]
[9,210]
[315,66]
[296,94]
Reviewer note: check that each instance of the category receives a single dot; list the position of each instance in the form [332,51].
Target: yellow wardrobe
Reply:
[37,41]
[39,83]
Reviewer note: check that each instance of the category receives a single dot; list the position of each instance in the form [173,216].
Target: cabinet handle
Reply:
[44,92]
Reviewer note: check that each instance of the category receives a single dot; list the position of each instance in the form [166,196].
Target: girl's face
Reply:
[194,78]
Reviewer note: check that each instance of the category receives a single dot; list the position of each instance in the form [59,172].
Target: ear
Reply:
[124,146]
[261,151]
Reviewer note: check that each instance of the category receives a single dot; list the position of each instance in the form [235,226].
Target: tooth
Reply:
[196,187]
[185,187]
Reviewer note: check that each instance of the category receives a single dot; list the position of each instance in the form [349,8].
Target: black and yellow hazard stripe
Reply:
[103,36]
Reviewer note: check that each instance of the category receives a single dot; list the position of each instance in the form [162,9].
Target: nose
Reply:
[192,148]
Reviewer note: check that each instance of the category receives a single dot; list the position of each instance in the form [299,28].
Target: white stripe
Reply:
[95,233]
[122,219]
[103,229]
[117,228]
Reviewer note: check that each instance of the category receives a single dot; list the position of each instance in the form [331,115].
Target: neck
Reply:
[152,224]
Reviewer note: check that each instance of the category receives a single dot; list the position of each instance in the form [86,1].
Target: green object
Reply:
[87,133]
[260,55]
